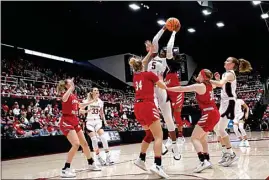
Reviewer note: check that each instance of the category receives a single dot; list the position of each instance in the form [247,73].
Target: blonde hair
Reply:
[241,65]
[90,94]
[136,64]
[61,86]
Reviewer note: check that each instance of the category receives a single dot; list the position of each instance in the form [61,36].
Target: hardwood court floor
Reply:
[253,163]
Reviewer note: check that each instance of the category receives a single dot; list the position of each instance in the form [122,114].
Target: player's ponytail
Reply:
[244,66]
[61,86]
[241,65]
[136,64]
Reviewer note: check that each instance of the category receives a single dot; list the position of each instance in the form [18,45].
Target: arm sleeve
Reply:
[153,77]
[170,46]
[155,40]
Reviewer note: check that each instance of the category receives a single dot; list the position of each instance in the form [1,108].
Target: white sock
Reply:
[230,151]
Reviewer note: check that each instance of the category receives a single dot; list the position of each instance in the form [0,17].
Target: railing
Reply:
[9,80]
[37,74]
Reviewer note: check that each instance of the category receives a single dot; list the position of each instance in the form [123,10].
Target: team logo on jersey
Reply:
[74,101]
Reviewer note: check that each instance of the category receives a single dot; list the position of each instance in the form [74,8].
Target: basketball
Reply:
[172,24]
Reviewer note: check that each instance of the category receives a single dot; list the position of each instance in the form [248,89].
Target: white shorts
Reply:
[93,125]
[227,108]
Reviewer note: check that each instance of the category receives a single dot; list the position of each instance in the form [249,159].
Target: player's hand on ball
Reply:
[217,76]
[177,28]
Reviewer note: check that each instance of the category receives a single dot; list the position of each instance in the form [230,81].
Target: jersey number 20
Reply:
[138,85]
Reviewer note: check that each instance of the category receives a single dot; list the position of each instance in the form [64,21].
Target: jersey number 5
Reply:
[138,85]
[153,65]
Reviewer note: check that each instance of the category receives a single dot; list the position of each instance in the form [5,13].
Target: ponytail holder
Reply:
[203,74]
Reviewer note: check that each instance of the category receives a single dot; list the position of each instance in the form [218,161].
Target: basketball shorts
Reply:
[93,125]
[146,113]
[209,119]
[227,108]
[177,100]
[69,123]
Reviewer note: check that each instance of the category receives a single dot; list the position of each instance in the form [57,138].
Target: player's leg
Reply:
[87,152]
[73,139]
[197,139]
[167,114]
[90,128]
[157,133]
[140,162]
[230,156]
[236,130]
[100,131]
[166,109]
[244,134]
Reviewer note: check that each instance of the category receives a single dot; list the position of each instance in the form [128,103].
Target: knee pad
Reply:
[242,130]
[148,137]
[167,115]
[104,141]
[94,142]
[178,119]
[237,133]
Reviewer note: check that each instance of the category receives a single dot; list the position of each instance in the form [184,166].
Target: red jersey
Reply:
[70,107]
[171,80]
[144,85]
[206,100]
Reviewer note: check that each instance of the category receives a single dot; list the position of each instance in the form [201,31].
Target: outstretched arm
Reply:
[170,46]
[156,39]
[198,88]
[229,77]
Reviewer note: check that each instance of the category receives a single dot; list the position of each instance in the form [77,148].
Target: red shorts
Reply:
[146,113]
[209,119]
[177,99]
[69,123]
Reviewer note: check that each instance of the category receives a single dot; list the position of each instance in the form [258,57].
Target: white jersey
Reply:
[238,108]
[95,109]
[157,65]
[228,90]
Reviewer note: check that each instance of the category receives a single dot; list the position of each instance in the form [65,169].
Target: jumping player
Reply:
[210,116]
[95,113]
[240,117]
[227,104]
[158,66]
[176,98]
[147,114]
[70,127]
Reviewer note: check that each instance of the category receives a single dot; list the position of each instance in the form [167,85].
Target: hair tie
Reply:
[203,74]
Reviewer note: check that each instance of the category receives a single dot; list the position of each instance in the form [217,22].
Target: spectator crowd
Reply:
[31,108]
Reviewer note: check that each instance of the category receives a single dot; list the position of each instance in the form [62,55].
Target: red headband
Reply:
[203,74]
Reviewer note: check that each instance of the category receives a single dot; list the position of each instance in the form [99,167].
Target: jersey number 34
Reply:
[138,85]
